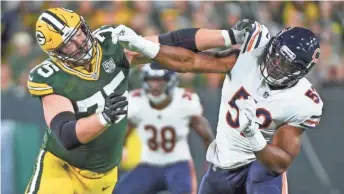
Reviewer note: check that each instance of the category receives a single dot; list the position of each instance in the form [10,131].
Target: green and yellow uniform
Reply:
[92,167]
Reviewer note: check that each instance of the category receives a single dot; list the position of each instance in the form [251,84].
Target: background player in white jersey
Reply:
[266,101]
[163,115]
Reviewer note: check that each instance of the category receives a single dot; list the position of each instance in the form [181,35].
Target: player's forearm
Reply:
[89,128]
[207,39]
[201,125]
[183,60]
[193,39]
[276,159]
[176,59]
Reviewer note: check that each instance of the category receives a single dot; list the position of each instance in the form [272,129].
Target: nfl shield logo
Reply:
[109,65]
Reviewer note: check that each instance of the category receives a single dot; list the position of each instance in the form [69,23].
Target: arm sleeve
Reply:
[183,38]
[38,87]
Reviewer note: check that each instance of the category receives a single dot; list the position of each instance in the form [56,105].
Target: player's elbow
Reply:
[66,135]
[280,169]
[63,126]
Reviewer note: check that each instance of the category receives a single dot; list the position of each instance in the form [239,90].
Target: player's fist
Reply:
[115,106]
[242,28]
[247,116]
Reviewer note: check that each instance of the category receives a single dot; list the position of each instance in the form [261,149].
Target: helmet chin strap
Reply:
[157,99]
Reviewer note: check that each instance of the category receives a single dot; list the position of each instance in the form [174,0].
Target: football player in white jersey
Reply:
[266,101]
[163,114]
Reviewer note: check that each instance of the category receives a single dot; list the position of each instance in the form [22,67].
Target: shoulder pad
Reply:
[136,93]
[259,37]
[188,94]
[308,111]
[191,102]
[104,32]
[39,78]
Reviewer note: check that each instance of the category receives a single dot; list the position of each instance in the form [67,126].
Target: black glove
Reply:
[238,32]
[114,107]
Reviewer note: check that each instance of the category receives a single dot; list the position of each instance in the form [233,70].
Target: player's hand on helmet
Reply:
[115,106]
[242,28]
[121,30]
[247,116]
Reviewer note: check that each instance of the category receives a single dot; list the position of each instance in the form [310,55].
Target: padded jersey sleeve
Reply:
[38,79]
[306,115]
[192,104]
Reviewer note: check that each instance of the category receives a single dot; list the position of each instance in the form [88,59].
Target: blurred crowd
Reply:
[20,51]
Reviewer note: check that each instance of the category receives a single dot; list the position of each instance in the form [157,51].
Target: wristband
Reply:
[102,120]
[151,49]
[257,141]
[225,36]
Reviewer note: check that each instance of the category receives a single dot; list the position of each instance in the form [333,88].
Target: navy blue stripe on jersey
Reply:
[258,41]
[306,126]
[247,41]
[232,37]
[315,117]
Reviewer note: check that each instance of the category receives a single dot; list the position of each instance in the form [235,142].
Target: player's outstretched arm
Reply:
[71,132]
[200,39]
[194,39]
[177,58]
[201,125]
[183,60]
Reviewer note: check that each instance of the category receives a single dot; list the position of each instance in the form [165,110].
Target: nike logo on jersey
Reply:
[30,78]
[104,188]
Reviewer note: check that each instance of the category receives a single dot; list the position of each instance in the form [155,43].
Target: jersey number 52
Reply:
[233,120]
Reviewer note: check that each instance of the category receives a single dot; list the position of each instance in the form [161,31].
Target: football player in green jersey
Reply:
[83,90]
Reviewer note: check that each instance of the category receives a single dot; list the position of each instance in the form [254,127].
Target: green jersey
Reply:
[87,91]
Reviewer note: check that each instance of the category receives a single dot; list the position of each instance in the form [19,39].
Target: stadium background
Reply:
[319,168]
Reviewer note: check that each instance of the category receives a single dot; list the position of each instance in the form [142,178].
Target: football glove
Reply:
[115,105]
[241,29]
[247,116]
[138,44]
[121,30]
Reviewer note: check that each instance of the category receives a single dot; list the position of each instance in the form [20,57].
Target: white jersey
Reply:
[164,133]
[298,106]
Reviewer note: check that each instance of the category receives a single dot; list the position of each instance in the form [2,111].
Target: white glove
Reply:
[247,116]
[121,30]
[242,29]
[138,44]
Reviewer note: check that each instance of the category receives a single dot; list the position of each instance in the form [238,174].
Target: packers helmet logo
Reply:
[40,38]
